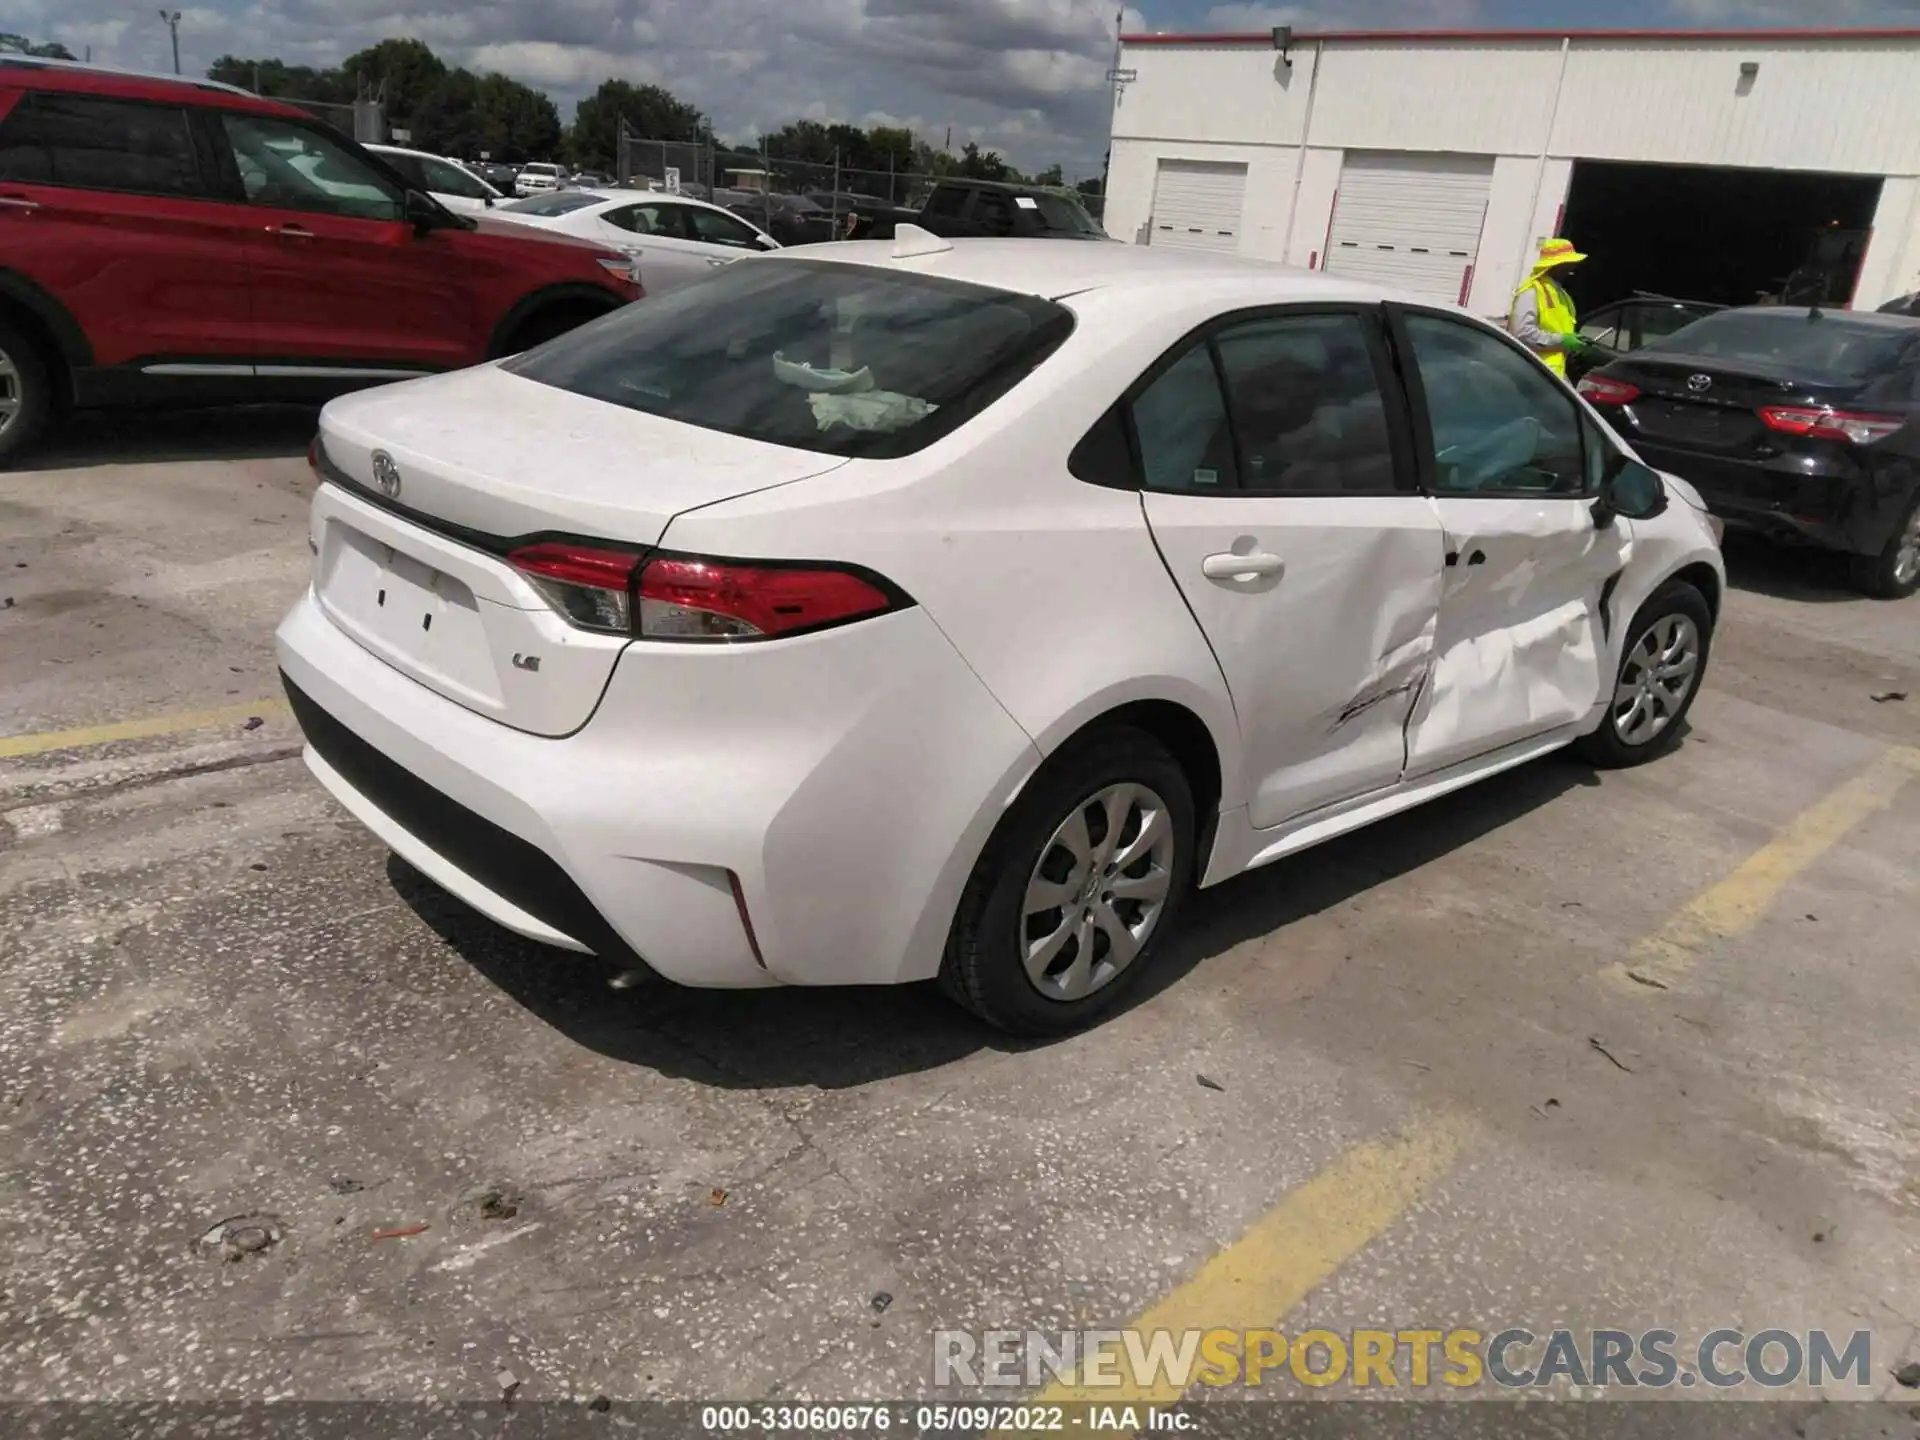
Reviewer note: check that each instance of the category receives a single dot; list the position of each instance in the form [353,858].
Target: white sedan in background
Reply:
[448,181]
[952,609]
[676,238]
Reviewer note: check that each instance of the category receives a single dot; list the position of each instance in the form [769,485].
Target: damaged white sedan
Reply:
[883,612]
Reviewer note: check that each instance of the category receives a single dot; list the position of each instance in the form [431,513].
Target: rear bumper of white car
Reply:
[832,791]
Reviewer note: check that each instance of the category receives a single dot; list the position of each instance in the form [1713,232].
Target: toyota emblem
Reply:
[386,474]
[1699,384]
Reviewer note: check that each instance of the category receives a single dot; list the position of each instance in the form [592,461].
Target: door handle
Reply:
[1478,557]
[291,231]
[19,202]
[1229,566]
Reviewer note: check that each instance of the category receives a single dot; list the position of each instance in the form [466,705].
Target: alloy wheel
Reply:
[10,396]
[1906,559]
[1097,892]
[1658,676]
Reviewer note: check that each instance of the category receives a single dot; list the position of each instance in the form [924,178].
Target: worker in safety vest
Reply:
[1542,316]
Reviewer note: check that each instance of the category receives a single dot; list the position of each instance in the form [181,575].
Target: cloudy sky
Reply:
[1021,76]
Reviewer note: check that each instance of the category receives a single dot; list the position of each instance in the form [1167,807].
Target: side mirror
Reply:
[422,212]
[1630,489]
[766,242]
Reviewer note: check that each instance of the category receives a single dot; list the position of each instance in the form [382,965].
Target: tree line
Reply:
[453,111]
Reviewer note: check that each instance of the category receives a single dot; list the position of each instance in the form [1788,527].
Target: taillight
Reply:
[1821,423]
[313,454]
[1601,391]
[684,597]
[689,599]
[592,588]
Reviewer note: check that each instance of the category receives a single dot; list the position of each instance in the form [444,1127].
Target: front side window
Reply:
[94,144]
[716,229]
[843,359]
[286,165]
[1496,421]
[1307,406]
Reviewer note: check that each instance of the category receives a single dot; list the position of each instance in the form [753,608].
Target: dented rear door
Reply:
[1299,542]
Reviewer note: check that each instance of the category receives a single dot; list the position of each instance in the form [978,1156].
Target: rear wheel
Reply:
[1079,884]
[26,392]
[1659,676]
[545,325]
[1894,573]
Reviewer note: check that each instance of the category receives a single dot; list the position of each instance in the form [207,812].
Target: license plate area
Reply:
[413,615]
[1713,426]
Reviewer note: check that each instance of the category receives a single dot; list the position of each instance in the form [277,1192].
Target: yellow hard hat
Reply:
[1557,252]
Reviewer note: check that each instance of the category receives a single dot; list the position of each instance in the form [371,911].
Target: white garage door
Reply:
[1410,221]
[1197,205]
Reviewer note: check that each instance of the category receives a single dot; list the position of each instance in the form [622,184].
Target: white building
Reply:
[1707,165]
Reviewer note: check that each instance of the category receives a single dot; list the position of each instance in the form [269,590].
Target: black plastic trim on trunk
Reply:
[512,868]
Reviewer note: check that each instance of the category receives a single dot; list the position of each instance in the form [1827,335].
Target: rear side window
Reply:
[95,144]
[947,200]
[1307,406]
[1180,422]
[842,359]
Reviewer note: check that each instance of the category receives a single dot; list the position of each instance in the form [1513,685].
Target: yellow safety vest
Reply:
[1556,316]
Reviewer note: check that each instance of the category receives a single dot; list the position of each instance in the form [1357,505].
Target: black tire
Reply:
[1606,748]
[550,324]
[983,969]
[30,385]
[1879,575]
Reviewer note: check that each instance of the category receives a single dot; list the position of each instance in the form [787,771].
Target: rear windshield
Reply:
[1825,345]
[842,359]
[557,202]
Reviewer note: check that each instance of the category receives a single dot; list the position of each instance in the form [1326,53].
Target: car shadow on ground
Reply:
[1789,572]
[251,432]
[836,1038]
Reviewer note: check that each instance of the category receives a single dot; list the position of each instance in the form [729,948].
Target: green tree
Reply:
[400,73]
[978,164]
[1052,175]
[45,49]
[448,119]
[281,80]
[649,112]
[514,121]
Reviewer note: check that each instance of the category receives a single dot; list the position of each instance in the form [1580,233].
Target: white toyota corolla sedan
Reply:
[885,611]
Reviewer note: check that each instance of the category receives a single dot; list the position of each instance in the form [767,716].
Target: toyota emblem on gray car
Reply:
[386,474]
[1699,383]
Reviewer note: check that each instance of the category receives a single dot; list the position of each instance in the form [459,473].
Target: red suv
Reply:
[177,242]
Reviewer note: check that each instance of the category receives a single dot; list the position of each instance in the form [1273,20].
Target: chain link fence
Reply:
[700,168]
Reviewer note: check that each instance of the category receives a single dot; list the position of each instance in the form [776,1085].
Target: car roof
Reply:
[1058,268]
[34,72]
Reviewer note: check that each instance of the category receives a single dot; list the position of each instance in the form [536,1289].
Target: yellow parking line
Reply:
[1735,904]
[14,746]
[1290,1252]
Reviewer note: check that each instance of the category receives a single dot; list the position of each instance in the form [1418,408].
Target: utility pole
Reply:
[172,20]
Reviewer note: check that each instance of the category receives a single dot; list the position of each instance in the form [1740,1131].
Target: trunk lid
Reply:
[485,460]
[1720,416]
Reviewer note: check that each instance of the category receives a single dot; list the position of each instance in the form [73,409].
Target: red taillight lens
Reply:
[593,588]
[1599,390]
[1820,423]
[682,598]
